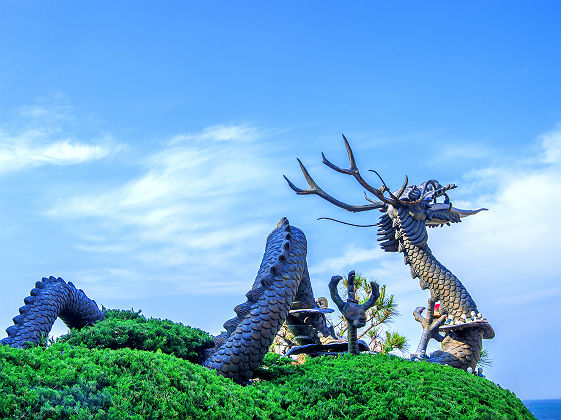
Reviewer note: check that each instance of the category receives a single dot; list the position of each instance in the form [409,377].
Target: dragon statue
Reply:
[282,289]
[402,227]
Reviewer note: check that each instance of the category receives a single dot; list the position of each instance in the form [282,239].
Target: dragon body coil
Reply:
[51,298]
[281,283]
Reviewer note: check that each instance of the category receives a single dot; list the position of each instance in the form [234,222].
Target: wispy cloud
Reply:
[551,143]
[31,149]
[39,135]
[188,177]
[197,202]
[221,133]
[353,255]
[454,152]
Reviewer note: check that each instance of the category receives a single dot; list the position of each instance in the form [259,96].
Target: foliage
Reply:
[43,341]
[130,329]
[375,332]
[383,386]
[393,341]
[73,378]
[377,318]
[65,381]
[485,361]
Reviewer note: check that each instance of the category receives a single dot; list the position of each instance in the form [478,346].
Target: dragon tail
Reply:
[51,298]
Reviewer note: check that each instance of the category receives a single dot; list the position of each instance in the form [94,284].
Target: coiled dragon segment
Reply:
[282,279]
[402,228]
[460,349]
[411,237]
[51,298]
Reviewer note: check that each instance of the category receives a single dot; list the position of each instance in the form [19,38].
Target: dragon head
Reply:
[406,212]
[412,209]
[430,202]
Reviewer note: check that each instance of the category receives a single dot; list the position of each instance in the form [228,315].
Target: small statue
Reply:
[354,313]
[431,325]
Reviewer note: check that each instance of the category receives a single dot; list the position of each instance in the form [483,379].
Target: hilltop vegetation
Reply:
[91,373]
[130,329]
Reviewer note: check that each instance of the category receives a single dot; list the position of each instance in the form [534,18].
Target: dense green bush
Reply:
[84,376]
[64,381]
[379,386]
[130,329]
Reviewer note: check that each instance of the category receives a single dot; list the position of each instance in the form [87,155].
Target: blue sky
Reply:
[142,148]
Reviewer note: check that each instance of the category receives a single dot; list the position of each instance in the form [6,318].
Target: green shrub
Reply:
[64,381]
[130,329]
[381,386]
[84,376]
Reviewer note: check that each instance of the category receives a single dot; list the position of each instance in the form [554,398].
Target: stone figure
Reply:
[51,298]
[354,313]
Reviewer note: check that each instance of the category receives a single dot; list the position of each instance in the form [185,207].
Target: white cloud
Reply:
[221,133]
[24,151]
[466,151]
[188,179]
[198,202]
[521,232]
[551,143]
[66,152]
[35,138]
[352,256]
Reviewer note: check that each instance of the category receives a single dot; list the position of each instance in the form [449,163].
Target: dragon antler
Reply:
[393,199]
[315,189]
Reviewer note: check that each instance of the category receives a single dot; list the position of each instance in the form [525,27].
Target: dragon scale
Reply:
[51,298]
[443,285]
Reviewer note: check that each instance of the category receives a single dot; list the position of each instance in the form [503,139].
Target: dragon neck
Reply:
[442,283]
